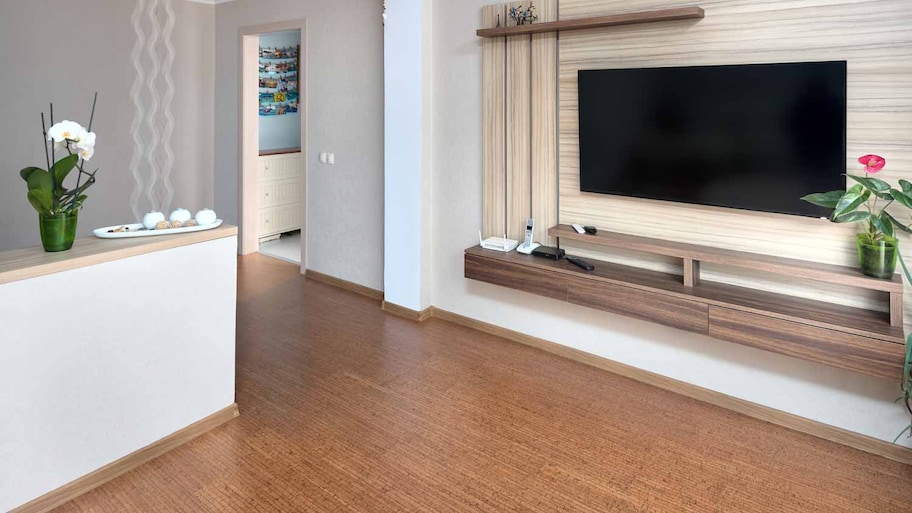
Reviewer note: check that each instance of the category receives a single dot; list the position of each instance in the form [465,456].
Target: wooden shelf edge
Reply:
[633,18]
[828,273]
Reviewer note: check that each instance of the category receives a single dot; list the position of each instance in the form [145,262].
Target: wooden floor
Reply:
[346,408]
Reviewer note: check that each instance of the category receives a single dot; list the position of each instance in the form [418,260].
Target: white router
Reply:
[502,244]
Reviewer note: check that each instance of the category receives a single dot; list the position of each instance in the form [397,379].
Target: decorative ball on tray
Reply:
[155,223]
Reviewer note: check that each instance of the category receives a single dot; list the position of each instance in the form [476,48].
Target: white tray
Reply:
[137,230]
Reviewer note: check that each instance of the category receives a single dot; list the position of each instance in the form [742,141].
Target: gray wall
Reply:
[51,50]
[344,59]
[280,132]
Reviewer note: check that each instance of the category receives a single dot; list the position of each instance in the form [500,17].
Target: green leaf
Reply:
[63,167]
[897,224]
[849,202]
[826,199]
[906,185]
[39,179]
[852,217]
[24,173]
[41,200]
[883,224]
[872,184]
[901,197]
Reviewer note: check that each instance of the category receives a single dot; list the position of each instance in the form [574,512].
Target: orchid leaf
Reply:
[852,217]
[906,186]
[41,199]
[897,224]
[872,184]
[39,179]
[63,167]
[28,171]
[883,224]
[849,202]
[903,198]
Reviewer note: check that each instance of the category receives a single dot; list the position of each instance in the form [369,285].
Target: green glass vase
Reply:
[58,230]
[877,258]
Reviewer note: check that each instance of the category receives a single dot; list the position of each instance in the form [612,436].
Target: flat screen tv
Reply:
[754,137]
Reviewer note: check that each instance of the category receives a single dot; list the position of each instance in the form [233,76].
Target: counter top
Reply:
[22,264]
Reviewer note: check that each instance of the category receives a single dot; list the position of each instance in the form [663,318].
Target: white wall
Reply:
[94,378]
[62,52]
[345,116]
[407,150]
[280,132]
[831,396]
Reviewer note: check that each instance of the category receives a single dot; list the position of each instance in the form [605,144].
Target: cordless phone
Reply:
[528,244]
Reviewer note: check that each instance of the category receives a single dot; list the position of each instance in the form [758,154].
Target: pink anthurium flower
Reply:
[872,163]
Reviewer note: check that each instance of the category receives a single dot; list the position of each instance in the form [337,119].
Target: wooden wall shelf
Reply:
[854,339]
[682,13]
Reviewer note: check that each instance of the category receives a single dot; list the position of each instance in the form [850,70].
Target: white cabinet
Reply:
[281,190]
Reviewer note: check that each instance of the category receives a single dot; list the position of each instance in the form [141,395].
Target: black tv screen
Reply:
[755,137]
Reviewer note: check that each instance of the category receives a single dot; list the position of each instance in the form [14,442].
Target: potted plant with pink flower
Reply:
[866,202]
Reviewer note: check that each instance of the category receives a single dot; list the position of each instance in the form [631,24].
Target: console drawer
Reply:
[649,306]
[525,278]
[835,348]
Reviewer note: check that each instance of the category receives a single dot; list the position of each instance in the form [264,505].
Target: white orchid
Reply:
[86,153]
[85,146]
[65,132]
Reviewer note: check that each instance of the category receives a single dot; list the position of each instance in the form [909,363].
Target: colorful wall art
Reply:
[279,80]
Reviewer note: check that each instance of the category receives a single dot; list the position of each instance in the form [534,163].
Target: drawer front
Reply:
[280,192]
[279,167]
[649,306]
[285,218]
[527,279]
[835,348]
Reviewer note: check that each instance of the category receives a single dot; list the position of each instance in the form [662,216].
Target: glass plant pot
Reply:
[877,258]
[58,231]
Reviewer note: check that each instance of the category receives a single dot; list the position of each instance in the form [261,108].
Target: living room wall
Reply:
[50,54]
[846,400]
[344,62]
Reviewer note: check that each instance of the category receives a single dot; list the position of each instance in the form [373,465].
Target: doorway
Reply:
[272,146]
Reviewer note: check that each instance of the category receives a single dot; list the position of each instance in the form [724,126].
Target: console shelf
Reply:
[850,338]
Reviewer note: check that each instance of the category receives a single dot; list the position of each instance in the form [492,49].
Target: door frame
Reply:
[249,131]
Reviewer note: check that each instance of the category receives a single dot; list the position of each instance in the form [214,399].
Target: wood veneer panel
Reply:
[837,274]
[650,306]
[519,133]
[526,279]
[859,321]
[633,18]
[544,125]
[846,351]
[494,144]
[879,53]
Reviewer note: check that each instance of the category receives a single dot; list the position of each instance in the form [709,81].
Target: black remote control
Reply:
[579,262]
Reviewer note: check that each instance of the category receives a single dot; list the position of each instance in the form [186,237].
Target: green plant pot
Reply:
[58,231]
[877,258]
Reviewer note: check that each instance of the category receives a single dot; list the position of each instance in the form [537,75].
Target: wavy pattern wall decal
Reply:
[153,122]
[168,162]
[139,148]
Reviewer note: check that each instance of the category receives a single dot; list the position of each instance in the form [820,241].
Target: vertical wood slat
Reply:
[896,309]
[691,272]
[493,129]
[544,125]
[519,134]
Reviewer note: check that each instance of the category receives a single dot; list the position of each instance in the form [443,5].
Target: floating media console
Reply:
[855,339]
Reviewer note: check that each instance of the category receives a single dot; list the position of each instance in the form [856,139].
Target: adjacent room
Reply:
[415,255]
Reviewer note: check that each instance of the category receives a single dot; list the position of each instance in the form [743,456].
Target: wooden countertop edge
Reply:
[23,264]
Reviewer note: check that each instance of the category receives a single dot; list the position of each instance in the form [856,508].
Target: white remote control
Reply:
[579,229]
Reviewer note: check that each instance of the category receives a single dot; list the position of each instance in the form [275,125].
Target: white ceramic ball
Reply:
[180,214]
[151,219]
[205,217]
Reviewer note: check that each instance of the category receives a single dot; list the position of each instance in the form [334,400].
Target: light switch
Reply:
[323,158]
[331,158]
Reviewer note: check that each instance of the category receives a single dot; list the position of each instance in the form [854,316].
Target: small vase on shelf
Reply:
[58,231]
[877,257]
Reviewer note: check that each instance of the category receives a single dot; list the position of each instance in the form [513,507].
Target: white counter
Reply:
[109,348]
